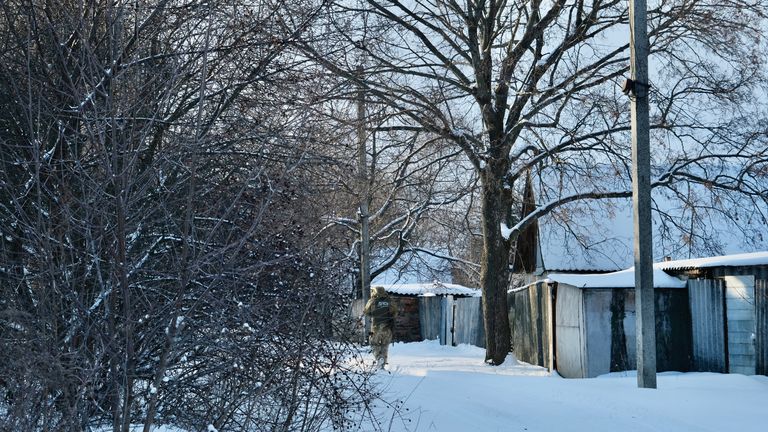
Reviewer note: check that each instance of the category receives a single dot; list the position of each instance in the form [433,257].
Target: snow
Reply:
[599,235]
[431,387]
[99,300]
[543,60]
[505,231]
[430,289]
[449,389]
[744,259]
[626,278]
[140,428]
[460,133]
[619,279]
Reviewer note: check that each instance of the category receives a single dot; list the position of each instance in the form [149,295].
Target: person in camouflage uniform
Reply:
[382,311]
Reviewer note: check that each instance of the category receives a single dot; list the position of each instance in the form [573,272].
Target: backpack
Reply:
[381,312]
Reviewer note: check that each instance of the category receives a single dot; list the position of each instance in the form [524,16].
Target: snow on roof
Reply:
[626,278]
[598,235]
[430,289]
[619,279]
[736,260]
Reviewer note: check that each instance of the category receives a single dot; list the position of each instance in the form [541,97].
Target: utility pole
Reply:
[362,171]
[638,87]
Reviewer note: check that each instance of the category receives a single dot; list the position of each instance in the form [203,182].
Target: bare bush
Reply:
[159,258]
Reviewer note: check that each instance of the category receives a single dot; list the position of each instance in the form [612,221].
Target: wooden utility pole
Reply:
[362,167]
[641,196]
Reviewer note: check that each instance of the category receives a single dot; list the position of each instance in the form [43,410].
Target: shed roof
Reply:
[735,260]
[597,235]
[619,279]
[431,289]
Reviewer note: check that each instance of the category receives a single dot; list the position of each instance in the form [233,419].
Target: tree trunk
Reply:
[494,276]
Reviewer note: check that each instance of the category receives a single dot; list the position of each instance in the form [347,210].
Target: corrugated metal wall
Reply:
[429,317]
[469,321]
[705,297]
[760,302]
[761,321]
[446,320]
[452,320]
[597,330]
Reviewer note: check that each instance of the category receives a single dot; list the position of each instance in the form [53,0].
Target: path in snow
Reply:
[447,389]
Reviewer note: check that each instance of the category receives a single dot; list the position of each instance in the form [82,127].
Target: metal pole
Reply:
[641,197]
[365,246]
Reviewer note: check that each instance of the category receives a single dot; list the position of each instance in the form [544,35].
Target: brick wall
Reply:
[407,327]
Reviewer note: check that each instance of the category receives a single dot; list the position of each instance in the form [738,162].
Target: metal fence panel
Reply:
[429,316]
[469,321]
[761,309]
[708,328]
[530,321]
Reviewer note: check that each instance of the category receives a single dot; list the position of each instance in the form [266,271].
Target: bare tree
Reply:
[409,175]
[159,261]
[531,85]
[408,180]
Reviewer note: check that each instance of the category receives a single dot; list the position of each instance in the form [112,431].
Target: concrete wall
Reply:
[595,331]
[597,322]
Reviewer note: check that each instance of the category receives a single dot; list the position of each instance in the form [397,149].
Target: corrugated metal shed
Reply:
[619,279]
[590,331]
[718,324]
[729,310]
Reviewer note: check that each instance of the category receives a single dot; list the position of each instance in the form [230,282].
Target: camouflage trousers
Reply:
[380,340]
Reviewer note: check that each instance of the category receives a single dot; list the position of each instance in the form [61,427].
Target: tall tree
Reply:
[531,84]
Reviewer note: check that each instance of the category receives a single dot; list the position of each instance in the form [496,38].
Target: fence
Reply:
[452,320]
[530,318]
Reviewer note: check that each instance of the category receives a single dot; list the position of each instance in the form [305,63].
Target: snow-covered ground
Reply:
[437,388]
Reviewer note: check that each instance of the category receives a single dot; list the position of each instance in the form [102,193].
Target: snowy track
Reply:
[436,388]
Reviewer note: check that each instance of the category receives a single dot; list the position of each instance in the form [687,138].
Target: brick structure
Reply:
[407,327]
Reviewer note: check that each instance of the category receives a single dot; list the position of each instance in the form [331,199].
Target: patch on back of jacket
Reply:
[381,309]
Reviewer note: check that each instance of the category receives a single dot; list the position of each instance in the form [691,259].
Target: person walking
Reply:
[381,310]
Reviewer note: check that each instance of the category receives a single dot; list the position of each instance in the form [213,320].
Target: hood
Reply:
[378,291]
